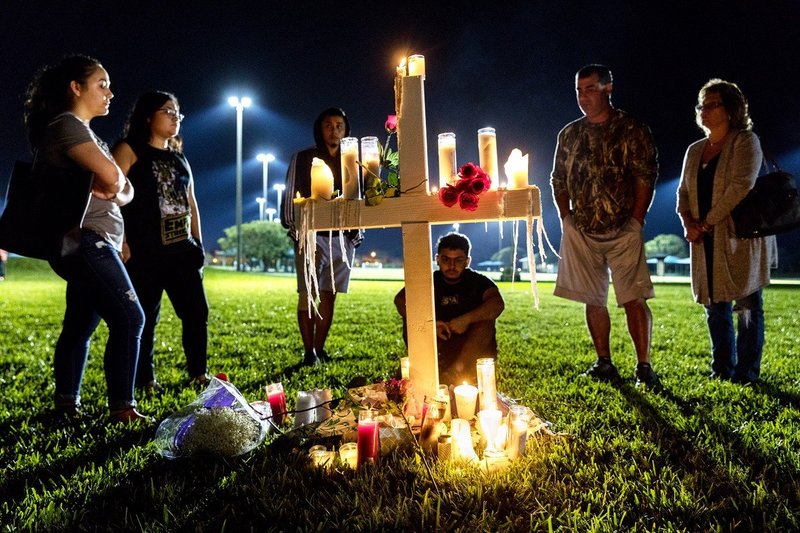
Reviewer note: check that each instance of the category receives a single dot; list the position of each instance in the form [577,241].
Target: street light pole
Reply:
[279,187]
[239,104]
[265,160]
[270,213]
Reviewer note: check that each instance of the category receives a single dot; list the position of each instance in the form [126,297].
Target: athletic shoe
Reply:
[602,369]
[311,359]
[646,376]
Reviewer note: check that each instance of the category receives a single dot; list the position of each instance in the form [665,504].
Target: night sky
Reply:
[510,66]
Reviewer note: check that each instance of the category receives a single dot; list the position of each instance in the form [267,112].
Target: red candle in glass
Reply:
[277,401]
[368,438]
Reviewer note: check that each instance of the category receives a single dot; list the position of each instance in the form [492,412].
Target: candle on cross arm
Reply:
[516,170]
[321,179]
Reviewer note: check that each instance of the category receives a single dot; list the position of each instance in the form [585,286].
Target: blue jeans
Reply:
[97,287]
[739,357]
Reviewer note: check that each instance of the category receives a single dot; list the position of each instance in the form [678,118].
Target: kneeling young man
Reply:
[467,305]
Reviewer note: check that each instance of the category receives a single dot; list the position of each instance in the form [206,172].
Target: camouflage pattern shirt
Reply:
[599,165]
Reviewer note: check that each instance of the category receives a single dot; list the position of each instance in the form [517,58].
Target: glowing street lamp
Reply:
[239,104]
[271,213]
[265,160]
[279,187]
[260,200]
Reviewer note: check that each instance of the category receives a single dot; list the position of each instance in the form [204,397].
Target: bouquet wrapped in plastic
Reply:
[220,422]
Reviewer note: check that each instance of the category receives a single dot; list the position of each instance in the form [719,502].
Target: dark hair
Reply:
[49,93]
[137,127]
[330,112]
[732,99]
[602,71]
[453,241]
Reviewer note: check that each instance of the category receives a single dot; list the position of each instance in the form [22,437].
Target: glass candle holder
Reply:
[447,159]
[519,418]
[277,401]
[487,154]
[351,178]
[304,409]
[462,449]
[320,456]
[466,397]
[443,394]
[487,386]
[371,158]
[430,430]
[490,421]
[405,367]
[416,65]
[348,454]
[322,399]
[368,443]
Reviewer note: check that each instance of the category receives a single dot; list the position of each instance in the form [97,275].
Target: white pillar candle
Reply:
[371,157]
[466,396]
[487,153]
[517,170]
[447,159]
[321,179]
[487,386]
[416,65]
[304,414]
[350,175]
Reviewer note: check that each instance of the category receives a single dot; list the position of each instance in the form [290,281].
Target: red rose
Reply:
[468,201]
[479,184]
[468,170]
[391,124]
[223,376]
[463,184]
[448,195]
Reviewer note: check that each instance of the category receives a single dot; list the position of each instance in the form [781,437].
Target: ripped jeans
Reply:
[737,357]
[97,287]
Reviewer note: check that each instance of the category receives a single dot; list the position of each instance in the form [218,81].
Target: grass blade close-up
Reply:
[699,455]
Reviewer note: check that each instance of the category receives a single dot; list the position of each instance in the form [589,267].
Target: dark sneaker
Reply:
[153,389]
[646,376]
[200,381]
[310,359]
[323,356]
[602,369]
[129,416]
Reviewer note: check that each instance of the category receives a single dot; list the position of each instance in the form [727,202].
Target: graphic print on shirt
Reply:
[173,202]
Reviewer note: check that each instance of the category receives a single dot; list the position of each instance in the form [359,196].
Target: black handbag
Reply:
[44,210]
[772,206]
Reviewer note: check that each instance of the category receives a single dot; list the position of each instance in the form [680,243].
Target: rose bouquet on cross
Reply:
[472,182]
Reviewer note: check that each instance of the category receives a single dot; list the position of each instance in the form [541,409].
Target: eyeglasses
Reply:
[708,107]
[172,113]
[454,261]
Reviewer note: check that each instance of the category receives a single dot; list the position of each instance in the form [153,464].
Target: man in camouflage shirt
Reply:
[604,174]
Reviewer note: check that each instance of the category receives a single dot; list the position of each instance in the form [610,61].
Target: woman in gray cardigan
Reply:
[718,171]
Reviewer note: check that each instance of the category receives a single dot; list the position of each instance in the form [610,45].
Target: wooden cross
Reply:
[414,212]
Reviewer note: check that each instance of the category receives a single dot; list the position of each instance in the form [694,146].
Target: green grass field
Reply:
[701,455]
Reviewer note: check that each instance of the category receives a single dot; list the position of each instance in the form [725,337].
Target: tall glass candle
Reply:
[405,367]
[368,437]
[371,157]
[447,159]
[466,396]
[416,65]
[487,386]
[321,179]
[519,417]
[277,401]
[462,449]
[487,153]
[304,409]
[322,399]
[490,422]
[350,175]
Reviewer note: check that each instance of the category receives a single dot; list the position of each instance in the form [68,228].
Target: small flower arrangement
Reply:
[397,390]
[222,432]
[375,188]
[472,182]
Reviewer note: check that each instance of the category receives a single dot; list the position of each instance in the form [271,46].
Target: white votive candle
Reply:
[466,396]
[416,65]
[487,153]
[447,159]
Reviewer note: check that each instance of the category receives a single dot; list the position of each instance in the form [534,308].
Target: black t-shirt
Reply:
[159,217]
[452,300]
